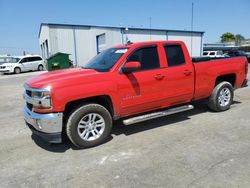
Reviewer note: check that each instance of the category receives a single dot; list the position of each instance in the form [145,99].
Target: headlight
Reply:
[40,94]
[42,98]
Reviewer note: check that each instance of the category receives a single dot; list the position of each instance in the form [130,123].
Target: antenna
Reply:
[192,23]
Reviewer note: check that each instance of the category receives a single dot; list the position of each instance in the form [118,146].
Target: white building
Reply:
[83,42]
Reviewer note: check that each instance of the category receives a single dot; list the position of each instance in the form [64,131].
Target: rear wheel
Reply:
[89,125]
[17,70]
[222,97]
[40,67]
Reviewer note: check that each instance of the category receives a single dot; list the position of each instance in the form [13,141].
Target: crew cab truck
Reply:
[134,82]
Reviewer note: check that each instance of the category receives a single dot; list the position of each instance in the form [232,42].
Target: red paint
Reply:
[141,91]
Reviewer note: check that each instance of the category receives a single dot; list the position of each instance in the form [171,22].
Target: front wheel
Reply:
[17,70]
[89,125]
[222,97]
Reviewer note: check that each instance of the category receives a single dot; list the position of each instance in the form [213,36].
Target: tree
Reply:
[239,38]
[227,37]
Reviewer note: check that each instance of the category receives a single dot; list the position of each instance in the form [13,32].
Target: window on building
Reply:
[174,55]
[147,56]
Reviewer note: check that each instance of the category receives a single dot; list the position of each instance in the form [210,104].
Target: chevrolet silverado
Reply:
[134,82]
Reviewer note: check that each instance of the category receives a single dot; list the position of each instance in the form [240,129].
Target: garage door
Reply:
[101,43]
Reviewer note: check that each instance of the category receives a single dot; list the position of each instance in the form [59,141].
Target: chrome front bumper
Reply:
[47,126]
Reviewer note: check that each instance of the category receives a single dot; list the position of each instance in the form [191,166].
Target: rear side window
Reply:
[30,59]
[148,57]
[174,55]
[212,53]
[36,58]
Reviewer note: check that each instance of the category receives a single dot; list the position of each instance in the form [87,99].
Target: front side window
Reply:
[174,54]
[24,60]
[148,57]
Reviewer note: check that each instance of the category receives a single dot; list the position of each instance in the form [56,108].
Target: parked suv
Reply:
[22,64]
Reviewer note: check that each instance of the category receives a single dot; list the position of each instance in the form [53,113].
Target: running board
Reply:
[157,114]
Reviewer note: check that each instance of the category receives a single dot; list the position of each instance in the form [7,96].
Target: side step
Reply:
[157,114]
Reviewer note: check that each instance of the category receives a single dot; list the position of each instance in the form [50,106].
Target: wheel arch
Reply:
[104,100]
[231,78]
[17,67]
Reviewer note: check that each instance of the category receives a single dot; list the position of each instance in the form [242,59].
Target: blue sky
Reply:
[20,19]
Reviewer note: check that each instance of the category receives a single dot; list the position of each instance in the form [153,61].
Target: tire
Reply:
[17,70]
[222,97]
[40,68]
[86,120]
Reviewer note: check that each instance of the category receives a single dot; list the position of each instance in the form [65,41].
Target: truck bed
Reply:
[204,59]
[208,70]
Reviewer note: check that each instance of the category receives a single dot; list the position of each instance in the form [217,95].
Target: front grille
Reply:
[30,106]
[2,67]
[28,92]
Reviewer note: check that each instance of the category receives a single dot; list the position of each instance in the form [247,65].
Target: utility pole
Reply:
[192,23]
[150,25]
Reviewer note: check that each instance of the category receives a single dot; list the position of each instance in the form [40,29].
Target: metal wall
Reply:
[81,41]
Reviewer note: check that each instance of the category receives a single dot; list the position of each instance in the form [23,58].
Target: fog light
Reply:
[39,125]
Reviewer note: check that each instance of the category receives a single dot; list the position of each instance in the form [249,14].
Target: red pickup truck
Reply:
[134,82]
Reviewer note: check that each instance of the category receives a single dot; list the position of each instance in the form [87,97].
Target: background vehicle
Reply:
[22,64]
[125,82]
[213,54]
[238,54]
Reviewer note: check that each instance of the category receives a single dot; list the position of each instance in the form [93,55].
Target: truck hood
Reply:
[59,77]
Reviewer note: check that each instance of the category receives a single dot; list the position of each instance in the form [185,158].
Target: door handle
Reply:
[187,73]
[159,76]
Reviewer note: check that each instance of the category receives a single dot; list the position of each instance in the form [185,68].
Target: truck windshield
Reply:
[105,60]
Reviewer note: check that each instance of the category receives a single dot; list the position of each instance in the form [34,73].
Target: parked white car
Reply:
[213,54]
[23,64]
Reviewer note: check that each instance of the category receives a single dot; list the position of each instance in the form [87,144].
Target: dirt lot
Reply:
[191,149]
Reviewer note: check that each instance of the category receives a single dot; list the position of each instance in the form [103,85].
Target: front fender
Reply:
[62,96]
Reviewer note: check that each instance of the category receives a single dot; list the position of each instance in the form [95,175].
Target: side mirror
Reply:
[131,67]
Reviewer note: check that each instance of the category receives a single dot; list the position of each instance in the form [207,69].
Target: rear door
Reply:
[141,91]
[179,83]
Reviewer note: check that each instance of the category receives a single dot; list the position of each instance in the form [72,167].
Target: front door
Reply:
[141,91]
[26,64]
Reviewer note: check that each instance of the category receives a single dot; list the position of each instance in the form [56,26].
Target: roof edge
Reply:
[116,27]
